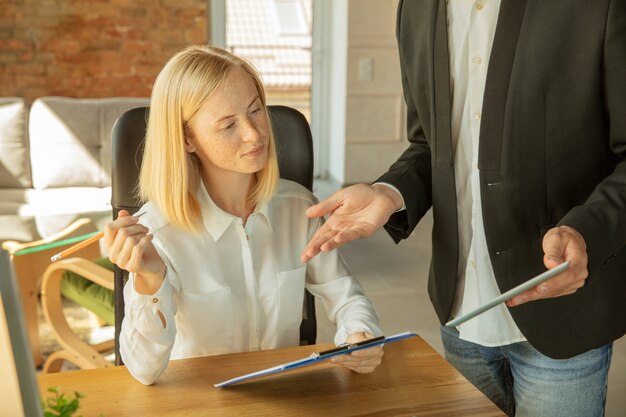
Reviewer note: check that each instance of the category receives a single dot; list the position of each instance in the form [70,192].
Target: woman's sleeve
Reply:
[341,294]
[145,343]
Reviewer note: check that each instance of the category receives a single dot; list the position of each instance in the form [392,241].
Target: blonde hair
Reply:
[170,176]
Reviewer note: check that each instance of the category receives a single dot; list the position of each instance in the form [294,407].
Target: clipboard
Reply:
[533,282]
[317,357]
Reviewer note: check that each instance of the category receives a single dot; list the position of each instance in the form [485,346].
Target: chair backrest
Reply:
[294,146]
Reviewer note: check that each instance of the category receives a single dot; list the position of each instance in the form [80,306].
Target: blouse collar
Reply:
[216,220]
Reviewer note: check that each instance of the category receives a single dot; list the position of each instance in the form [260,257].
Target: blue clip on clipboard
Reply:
[316,357]
[533,282]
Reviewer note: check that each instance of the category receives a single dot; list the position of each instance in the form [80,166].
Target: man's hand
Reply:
[354,212]
[560,244]
[362,361]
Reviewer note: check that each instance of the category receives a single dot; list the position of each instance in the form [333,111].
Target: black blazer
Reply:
[552,149]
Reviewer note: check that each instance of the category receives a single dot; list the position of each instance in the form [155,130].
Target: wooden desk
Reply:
[413,380]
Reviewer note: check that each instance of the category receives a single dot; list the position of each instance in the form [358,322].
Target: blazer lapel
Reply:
[441,69]
[497,85]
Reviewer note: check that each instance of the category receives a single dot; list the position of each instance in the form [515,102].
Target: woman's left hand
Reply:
[362,361]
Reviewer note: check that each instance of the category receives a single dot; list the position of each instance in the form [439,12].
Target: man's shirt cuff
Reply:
[397,191]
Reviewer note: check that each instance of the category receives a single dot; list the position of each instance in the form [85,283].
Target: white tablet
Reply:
[533,282]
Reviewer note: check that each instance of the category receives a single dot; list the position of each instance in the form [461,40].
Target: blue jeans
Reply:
[525,383]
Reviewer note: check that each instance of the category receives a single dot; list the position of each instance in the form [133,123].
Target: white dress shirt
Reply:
[471,29]
[236,287]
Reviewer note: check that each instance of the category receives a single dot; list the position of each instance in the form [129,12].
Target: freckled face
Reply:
[230,132]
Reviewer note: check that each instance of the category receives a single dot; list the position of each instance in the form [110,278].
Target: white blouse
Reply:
[235,287]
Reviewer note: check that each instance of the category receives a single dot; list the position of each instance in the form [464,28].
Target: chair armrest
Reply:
[84,354]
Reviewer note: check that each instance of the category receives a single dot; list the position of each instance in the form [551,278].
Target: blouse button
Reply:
[155,300]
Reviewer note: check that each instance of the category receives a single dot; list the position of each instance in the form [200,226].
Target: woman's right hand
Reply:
[130,247]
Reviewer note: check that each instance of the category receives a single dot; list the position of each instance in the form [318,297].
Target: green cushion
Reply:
[89,294]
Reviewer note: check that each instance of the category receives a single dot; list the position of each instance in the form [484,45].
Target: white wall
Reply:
[375,112]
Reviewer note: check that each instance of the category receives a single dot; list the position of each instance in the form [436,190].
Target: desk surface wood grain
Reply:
[413,380]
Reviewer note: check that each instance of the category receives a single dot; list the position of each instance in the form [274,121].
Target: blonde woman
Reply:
[215,260]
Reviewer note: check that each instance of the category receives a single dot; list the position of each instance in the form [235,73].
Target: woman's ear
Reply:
[189,146]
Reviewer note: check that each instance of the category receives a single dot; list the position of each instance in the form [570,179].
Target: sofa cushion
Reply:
[70,140]
[53,201]
[49,211]
[21,229]
[14,160]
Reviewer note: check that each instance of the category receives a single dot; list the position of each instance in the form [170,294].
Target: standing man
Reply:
[516,118]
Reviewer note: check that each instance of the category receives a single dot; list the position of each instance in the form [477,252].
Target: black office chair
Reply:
[294,146]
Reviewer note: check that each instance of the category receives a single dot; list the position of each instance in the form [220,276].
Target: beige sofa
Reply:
[55,163]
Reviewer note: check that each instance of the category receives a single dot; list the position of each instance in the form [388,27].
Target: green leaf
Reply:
[58,405]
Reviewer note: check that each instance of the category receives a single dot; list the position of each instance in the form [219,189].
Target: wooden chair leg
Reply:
[29,292]
[104,346]
[54,362]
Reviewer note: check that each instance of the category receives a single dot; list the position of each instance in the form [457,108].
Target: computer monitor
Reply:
[19,394]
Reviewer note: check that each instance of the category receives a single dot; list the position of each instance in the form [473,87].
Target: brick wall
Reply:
[92,48]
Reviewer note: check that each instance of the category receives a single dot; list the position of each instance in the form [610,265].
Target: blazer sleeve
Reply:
[601,220]
[411,173]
